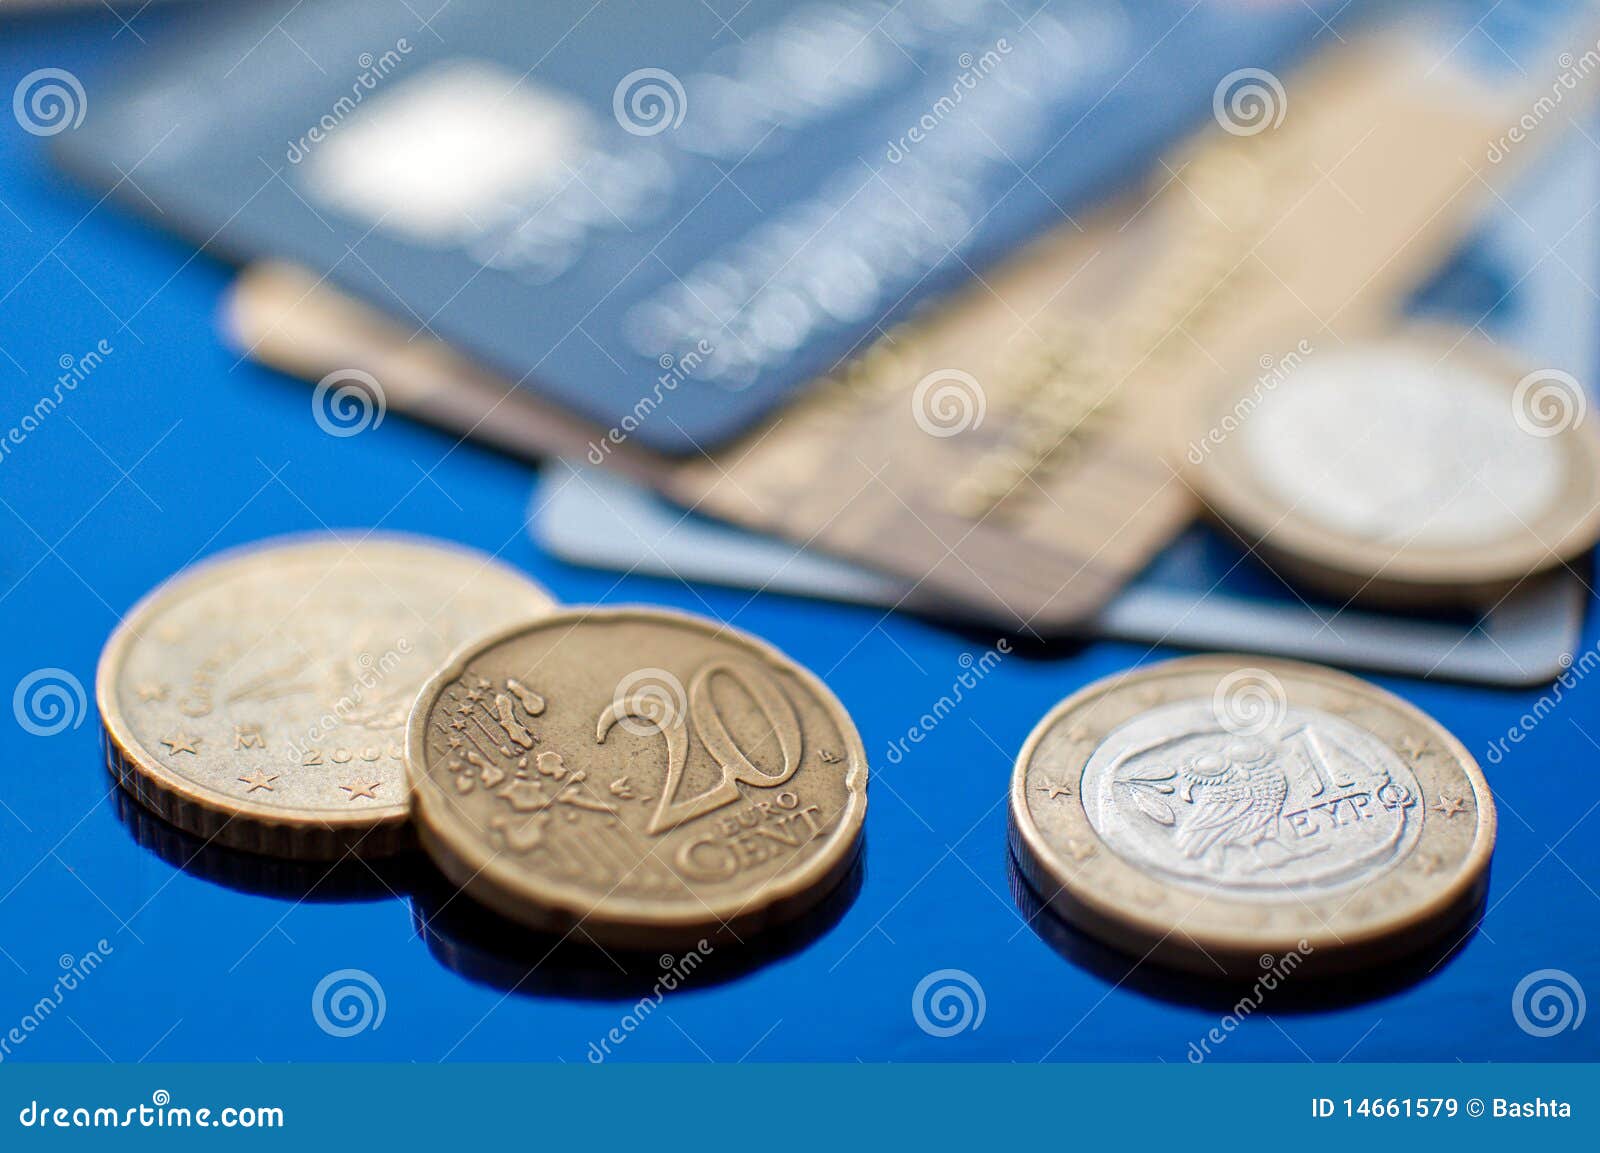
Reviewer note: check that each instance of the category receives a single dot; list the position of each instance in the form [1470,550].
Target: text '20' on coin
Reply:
[1211,812]
[259,699]
[1424,466]
[642,776]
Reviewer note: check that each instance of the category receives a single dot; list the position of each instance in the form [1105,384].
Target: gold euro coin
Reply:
[641,776]
[1232,816]
[259,698]
[1423,467]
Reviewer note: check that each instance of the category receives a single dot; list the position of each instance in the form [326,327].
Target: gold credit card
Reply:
[1017,451]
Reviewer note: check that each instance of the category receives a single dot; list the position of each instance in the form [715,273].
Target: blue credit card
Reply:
[614,202]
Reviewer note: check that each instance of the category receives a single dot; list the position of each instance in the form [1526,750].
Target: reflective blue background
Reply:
[171,450]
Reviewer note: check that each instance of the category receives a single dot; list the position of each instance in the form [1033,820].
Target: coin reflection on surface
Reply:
[1293,989]
[480,945]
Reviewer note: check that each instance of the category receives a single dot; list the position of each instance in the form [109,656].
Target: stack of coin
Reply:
[1424,468]
[647,777]
[1219,815]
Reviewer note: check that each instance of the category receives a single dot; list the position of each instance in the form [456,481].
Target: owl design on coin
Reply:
[1236,795]
[1233,794]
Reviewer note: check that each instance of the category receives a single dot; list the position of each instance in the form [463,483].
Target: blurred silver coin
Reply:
[1426,466]
[1220,813]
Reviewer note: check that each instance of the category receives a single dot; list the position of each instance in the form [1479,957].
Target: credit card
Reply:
[1521,280]
[1422,101]
[1200,593]
[1023,454]
[575,194]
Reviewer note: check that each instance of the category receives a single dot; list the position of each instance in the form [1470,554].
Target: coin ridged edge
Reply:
[268,838]
[1132,931]
[630,922]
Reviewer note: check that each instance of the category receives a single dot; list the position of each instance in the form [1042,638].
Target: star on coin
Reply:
[1413,748]
[151,692]
[1449,805]
[181,742]
[1080,850]
[368,790]
[259,780]
[1056,791]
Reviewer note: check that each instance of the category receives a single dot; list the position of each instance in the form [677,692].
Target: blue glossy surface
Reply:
[171,450]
